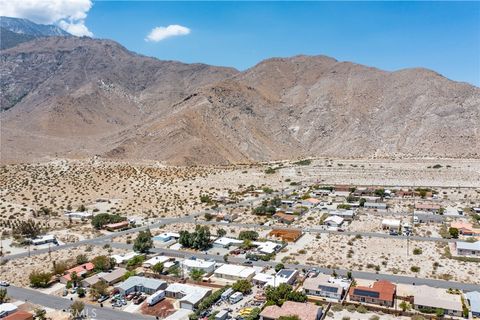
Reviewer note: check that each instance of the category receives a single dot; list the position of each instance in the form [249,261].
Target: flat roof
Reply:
[198,263]
[154,260]
[436,298]
[141,281]
[236,270]
[463,245]
[225,241]
[474,299]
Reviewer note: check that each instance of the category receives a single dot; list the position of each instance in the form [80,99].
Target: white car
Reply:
[4,284]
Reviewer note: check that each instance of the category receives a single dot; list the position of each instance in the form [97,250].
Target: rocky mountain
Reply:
[14,31]
[24,26]
[78,97]
[10,39]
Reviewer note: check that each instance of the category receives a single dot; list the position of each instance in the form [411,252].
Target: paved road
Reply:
[356,274]
[59,303]
[321,230]
[103,239]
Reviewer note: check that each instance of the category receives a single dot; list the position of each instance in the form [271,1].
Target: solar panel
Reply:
[328,289]
[365,293]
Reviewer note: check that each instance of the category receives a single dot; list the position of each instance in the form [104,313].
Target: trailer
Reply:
[156,297]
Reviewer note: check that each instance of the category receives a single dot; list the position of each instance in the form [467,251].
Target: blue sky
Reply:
[443,36]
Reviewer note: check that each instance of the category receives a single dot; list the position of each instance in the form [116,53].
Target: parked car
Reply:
[4,284]
[248,263]
[102,298]
[139,299]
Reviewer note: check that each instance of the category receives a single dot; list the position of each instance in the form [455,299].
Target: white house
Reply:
[48,238]
[154,260]
[468,248]
[225,242]
[266,247]
[206,266]
[122,258]
[391,224]
[334,221]
[235,272]
[190,296]
[79,215]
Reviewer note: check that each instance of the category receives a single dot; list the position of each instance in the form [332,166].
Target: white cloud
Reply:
[161,33]
[69,15]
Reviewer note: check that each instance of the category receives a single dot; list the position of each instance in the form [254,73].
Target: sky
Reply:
[442,36]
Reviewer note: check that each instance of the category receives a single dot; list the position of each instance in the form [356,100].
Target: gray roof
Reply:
[114,275]
[134,281]
[468,245]
[474,299]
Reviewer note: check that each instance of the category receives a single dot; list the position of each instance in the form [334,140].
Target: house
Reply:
[345,214]
[109,278]
[474,301]
[326,286]
[166,236]
[117,226]
[465,228]
[321,192]
[122,258]
[288,203]
[287,276]
[48,238]
[381,292]
[7,309]
[284,217]
[391,224]
[235,272]
[79,215]
[285,235]
[225,242]
[375,205]
[154,260]
[427,217]
[141,284]
[429,207]
[426,299]
[206,266]
[81,271]
[266,247]
[19,315]
[333,221]
[468,248]
[190,296]
[304,311]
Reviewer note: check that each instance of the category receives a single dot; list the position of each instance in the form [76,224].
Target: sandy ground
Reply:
[17,271]
[376,254]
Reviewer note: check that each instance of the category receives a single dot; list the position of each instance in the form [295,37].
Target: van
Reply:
[234,298]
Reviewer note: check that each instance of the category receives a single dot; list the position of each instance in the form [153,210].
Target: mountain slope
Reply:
[24,26]
[79,97]
[10,39]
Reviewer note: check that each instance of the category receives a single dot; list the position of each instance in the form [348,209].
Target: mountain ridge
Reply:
[95,97]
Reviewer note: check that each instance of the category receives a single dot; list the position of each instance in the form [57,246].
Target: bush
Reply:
[351,308]
[337,308]
[415,269]
[39,279]
[417,251]
[361,309]
[101,219]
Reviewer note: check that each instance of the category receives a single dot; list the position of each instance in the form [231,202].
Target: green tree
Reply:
[404,305]
[158,268]
[40,314]
[174,270]
[143,243]
[81,292]
[221,232]
[278,295]
[81,208]
[81,259]
[243,286]
[28,229]
[199,239]
[39,279]
[74,277]
[248,235]
[99,289]
[3,295]
[103,263]
[101,219]
[453,232]
[279,267]
[196,274]
[76,309]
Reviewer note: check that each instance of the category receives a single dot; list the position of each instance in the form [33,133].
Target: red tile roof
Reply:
[81,269]
[19,315]
[385,288]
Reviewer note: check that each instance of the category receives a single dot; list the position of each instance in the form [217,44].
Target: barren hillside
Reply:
[77,97]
